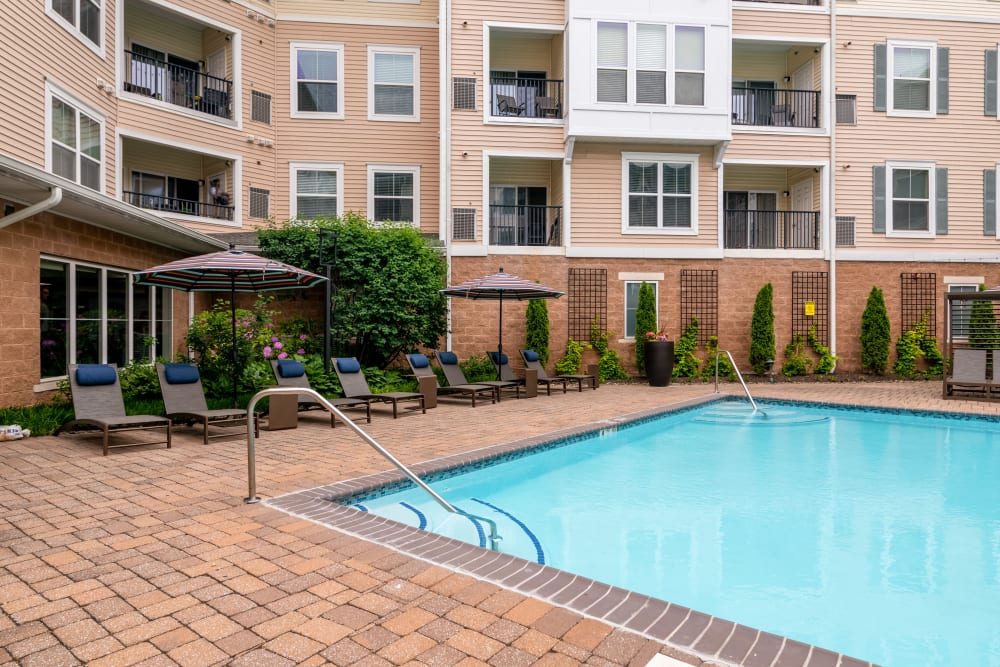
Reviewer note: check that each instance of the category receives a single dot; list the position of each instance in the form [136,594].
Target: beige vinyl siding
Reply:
[516,52]
[778,146]
[539,12]
[355,141]
[963,141]
[520,171]
[779,21]
[597,198]
[425,11]
[954,10]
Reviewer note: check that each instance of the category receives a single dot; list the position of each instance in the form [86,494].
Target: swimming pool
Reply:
[871,533]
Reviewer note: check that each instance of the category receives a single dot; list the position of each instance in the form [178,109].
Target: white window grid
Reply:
[891,78]
[890,168]
[87,162]
[337,78]
[318,202]
[660,159]
[398,55]
[382,169]
[84,19]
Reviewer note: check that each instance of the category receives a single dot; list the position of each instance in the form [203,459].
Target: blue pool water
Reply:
[873,534]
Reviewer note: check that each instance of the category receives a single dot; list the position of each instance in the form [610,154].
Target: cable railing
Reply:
[332,409]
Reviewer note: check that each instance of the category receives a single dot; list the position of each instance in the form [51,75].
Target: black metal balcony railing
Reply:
[814,3]
[177,85]
[772,230]
[183,206]
[526,98]
[525,225]
[769,107]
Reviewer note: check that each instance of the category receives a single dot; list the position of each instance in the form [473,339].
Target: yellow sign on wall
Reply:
[810,308]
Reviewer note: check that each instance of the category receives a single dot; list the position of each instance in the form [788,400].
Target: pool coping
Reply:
[690,632]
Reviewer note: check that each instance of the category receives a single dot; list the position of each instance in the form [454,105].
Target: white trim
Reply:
[644,252]
[931,47]
[964,280]
[382,23]
[53,90]
[781,7]
[524,250]
[294,48]
[74,30]
[916,256]
[638,276]
[996,217]
[691,159]
[395,169]
[469,250]
[294,167]
[913,16]
[778,163]
[931,231]
[375,49]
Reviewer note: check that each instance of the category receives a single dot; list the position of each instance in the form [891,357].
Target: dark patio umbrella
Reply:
[232,270]
[501,287]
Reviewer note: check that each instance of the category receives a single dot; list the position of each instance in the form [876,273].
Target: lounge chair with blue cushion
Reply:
[532,360]
[454,375]
[506,373]
[184,398]
[291,373]
[421,367]
[353,381]
[98,403]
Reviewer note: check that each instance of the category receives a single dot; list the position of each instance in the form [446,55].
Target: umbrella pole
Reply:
[232,313]
[500,339]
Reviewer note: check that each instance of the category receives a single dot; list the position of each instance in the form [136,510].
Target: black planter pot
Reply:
[659,362]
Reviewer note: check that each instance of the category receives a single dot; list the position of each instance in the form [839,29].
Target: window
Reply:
[75,138]
[81,17]
[260,107]
[317,188]
[911,78]
[95,314]
[910,199]
[961,310]
[317,73]
[393,91]
[659,193]
[632,302]
[394,193]
[650,63]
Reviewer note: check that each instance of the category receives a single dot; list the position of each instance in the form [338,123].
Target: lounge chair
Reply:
[184,398]
[532,360]
[453,373]
[291,373]
[968,372]
[355,386]
[98,403]
[421,367]
[507,374]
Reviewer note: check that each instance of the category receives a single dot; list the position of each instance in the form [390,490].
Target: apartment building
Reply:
[708,148]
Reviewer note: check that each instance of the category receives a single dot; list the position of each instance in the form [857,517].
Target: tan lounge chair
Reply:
[532,360]
[98,403]
[968,372]
[291,373]
[453,373]
[184,398]
[506,373]
[356,386]
[421,367]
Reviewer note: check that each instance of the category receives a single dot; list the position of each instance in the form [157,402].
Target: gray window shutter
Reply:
[991,82]
[942,80]
[941,203]
[878,199]
[989,202]
[881,72]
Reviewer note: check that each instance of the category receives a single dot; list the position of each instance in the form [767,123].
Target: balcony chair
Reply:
[507,105]
[547,107]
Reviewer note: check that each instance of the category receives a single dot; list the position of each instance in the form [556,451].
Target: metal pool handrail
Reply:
[738,375]
[252,463]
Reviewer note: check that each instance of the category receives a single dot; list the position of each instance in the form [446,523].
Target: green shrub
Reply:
[796,363]
[875,337]
[599,336]
[42,419]
[914,345]
[611,367]
[479,369]
[645,321]
[570,362]
[139,381]
[537,329]
[762,330]
[983,331]
[686,364]
[726,369]
[826,361]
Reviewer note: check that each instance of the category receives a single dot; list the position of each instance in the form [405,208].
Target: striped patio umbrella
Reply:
[501,287]
[231,270]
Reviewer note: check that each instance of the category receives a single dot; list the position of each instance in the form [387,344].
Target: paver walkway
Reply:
[150,556]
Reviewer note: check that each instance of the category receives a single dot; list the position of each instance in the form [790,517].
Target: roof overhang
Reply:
[28,185]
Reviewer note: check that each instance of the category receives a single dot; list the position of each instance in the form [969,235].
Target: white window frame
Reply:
[54,92]
[293,172]
[74,28]
[632,68]
[335,47]
[656,298]
[703,71]
[890,230]
[675,158]
[890,107]
[413,51]
[396,169]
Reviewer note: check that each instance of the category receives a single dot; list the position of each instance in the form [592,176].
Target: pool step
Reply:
[733,412]
[517,538]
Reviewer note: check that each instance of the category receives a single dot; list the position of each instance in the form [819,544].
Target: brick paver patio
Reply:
[150,556]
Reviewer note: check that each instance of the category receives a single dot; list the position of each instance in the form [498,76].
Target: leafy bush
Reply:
[762,330]
[983,331]
[42,419]
[390,379]
[139,381]
[478,369]
[826,361]
[645,321]
[914,345]
[537,329]
[611,367]
[599,336]
[686,364]
[875,333]
[726,369]
[570,362]
[796,362]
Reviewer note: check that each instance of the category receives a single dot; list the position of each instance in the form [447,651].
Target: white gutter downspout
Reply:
[444,143]
[832,182]
[55,196]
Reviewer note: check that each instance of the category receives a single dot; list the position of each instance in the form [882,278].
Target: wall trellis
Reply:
[700,298]
[918,298]
[587,298]
[811,287]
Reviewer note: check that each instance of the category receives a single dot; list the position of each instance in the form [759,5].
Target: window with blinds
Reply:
[651,64]
[661,191]
[393,91]
[612,62]
[689,61]
[317,190]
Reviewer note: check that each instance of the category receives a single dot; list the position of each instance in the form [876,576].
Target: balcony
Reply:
[526,97]
[811,3]
[771,230]
[525,225]
[768,107]
[178,85]
[178,205]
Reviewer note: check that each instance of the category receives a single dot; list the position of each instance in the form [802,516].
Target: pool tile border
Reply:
[688,631]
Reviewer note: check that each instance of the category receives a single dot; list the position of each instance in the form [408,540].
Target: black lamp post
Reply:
[328,238]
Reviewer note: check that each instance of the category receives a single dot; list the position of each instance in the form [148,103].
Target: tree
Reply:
[386,280]
[645,321]
[536,335]
[875,339]
[762,330]
[983,332]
